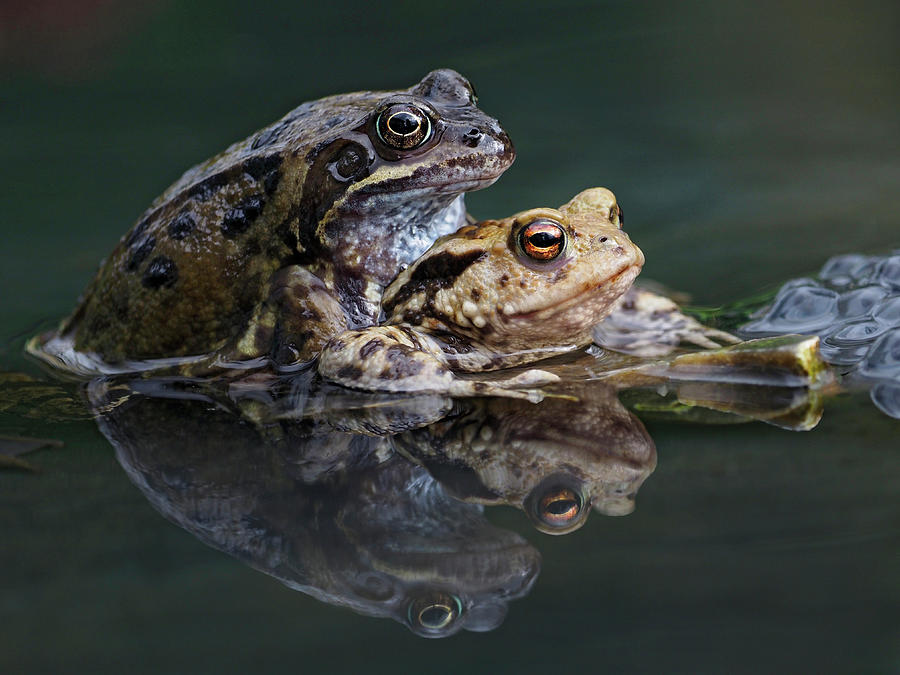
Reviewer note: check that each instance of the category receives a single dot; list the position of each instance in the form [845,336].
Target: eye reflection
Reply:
[434,612]
[557,505]
[560,506]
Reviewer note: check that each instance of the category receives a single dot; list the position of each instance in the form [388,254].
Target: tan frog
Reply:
[554,460]
[493,295]
[289,236]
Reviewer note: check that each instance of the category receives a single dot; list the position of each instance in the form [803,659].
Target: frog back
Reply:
[188,276]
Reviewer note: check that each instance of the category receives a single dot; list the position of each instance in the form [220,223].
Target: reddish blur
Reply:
[69,39]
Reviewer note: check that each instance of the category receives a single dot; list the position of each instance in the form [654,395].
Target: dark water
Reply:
[747,142]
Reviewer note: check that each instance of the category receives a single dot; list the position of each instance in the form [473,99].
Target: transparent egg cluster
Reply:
[853,305]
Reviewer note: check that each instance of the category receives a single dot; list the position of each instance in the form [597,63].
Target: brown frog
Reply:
[555,460]
[289,236]
[493,295]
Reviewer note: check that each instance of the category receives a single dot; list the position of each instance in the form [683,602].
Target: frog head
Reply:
[538,279]
[385,180]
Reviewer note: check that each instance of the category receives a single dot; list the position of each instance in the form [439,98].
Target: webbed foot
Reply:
[647,324]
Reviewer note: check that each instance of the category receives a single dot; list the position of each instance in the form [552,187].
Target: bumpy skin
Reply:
[476,302]
[504,451]
[289,236]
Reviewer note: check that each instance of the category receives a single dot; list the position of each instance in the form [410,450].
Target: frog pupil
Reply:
[435,616]
[544,239]
[561,507]
[403,123]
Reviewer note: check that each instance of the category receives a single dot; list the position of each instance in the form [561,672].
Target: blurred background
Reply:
[747,143]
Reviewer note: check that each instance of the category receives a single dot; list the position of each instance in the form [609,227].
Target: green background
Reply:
[747,143]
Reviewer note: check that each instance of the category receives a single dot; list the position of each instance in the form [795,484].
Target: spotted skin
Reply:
[317,199]
[447,314]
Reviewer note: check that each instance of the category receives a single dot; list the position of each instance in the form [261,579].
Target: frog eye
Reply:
[542,239]
[616,216]
[557,506]
[433,613]
[403,126]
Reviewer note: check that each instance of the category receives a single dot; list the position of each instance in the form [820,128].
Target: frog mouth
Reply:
[582,298]
[468,184]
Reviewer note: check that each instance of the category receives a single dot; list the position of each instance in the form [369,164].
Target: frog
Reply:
[335,515]
[288,237]
[495,294]
[494,450]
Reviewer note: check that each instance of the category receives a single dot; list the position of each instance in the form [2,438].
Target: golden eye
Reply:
[403,126]
[542,239]
[559,507]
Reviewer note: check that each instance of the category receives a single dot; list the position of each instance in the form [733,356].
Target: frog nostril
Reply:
[472,137]
[603,239]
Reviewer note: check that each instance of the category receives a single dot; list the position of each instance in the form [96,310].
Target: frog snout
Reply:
[495,141]
[619,245]
[473,137]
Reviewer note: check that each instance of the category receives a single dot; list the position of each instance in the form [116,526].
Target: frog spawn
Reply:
[854,306]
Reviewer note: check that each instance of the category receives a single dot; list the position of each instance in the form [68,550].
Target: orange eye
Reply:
[558,504]
[559,507]
[542,239]
[403,126]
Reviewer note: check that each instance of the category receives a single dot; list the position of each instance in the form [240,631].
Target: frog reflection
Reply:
[554,460]
[335,515]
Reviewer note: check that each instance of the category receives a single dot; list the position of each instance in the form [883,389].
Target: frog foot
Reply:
[705,336]
[520,386]
[647,324]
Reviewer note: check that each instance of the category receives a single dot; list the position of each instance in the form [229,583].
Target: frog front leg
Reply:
[400,359]
[299,316]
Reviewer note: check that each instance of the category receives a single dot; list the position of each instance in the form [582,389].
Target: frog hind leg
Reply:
[645,323]
[398,359]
